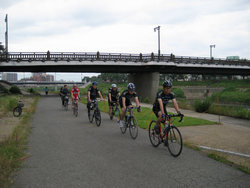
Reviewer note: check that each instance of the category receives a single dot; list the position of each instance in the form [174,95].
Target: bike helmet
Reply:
[131,87]
[94,83]
[167,83]
[74,84]
[113,85]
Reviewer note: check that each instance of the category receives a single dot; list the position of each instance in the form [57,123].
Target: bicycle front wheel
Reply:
[66,105]
[91,116]
[133,127]
[17,111]
[174,140]
[97,117]
[154,138]
[76,110]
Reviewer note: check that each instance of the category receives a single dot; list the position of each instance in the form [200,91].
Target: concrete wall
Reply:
[146,84]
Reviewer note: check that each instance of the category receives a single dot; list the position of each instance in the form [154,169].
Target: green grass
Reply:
[8,102]
[143,118]
[12,149]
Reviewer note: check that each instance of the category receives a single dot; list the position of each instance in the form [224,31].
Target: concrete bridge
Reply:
[144,69]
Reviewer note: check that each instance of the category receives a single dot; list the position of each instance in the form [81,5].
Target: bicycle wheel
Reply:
[76,110]
[124,128]
[91,116]
[154,138]
[174,140]
[97,117]
[133,127]
[17,111]
[66,105]
[117,114]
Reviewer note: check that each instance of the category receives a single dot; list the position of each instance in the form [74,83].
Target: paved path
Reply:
[68,151]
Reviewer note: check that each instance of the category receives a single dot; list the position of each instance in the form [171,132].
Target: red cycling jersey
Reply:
[75,92]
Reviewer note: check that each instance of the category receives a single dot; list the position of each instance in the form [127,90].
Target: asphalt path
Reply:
[69,151]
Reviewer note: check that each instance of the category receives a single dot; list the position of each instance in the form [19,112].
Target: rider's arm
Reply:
[100,94]
[89,95]
[176,106]
[137,101]
[161,106]
[110,97]
[79,94]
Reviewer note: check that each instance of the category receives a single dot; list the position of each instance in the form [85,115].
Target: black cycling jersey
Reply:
[93,92]
[165,98]
[113,94]
[125,94]
[65,91]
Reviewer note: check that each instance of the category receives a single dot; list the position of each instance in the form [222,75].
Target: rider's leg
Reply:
[110,110]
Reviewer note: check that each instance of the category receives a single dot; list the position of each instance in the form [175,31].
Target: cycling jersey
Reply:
[75,92]
[93,92]
[126,95]
[113,94]
[65,91]
[165,98]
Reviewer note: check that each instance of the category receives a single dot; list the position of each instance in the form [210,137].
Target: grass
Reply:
[143,118]
[12,149]
[8,103]
[223,158]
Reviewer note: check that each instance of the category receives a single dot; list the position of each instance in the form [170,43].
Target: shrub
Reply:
[202,106]
[146,100]
[229,89]
[241,113]
[6,91]
[15,90]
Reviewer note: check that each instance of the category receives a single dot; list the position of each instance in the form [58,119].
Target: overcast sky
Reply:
[188,27]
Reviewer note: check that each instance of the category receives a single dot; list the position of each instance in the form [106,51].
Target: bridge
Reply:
[144,68]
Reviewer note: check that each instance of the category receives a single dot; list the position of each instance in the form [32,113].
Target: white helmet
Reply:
[113,85]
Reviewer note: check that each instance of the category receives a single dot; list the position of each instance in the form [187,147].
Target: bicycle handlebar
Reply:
[129,108]
[174,115]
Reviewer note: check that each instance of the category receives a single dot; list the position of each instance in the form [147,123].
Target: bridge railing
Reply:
[90,56]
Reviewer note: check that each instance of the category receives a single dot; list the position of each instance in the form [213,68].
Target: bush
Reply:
[241,113]
[202,106]
[6,91]
[229,89]
[147,100]
[15,90]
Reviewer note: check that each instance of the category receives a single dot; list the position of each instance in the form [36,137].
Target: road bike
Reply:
[173,139]
[131,123]
[115,111]
[95,112]
[17,111]
[75,109]
[65,99]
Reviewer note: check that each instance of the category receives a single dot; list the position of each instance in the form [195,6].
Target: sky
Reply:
[187,27]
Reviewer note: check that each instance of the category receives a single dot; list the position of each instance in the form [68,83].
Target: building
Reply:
[9,77]
[49,78]
[39,76]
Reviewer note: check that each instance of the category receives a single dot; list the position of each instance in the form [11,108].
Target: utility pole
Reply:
[6,35]
[155,29]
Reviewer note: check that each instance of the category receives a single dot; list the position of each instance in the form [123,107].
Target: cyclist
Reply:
[75,94]
[159,106]
[64,92]
[92,92]
[113,92]
[125,102]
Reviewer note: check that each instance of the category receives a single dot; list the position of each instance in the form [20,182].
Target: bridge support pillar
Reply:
[56,87]
[146,85]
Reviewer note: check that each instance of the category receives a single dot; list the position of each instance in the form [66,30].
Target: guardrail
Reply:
[71,56]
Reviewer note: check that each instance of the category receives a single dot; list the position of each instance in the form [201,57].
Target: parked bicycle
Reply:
[173,140]
[65,102]
[75,108]
[131,123]
[115,111]
[95,112]
[18,110]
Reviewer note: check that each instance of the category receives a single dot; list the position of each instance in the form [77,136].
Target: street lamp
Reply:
[155,29]
[6,35]
[211,46]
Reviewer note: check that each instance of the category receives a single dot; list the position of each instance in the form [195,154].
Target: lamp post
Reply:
[211,46]
[6,35]
[155,29]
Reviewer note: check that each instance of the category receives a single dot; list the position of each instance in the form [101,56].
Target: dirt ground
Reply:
[8,121]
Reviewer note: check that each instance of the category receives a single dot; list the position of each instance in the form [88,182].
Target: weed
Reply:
[147,100]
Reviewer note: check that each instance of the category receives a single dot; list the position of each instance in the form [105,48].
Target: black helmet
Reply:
[131,87]
[167,83]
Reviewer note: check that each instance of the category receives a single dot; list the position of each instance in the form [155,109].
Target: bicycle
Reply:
[17,111]
[65,102]
[131,123]
[95,112]
[75,109]
[115,111]
[173,139]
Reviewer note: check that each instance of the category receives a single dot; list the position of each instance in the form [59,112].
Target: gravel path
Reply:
[68,151]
